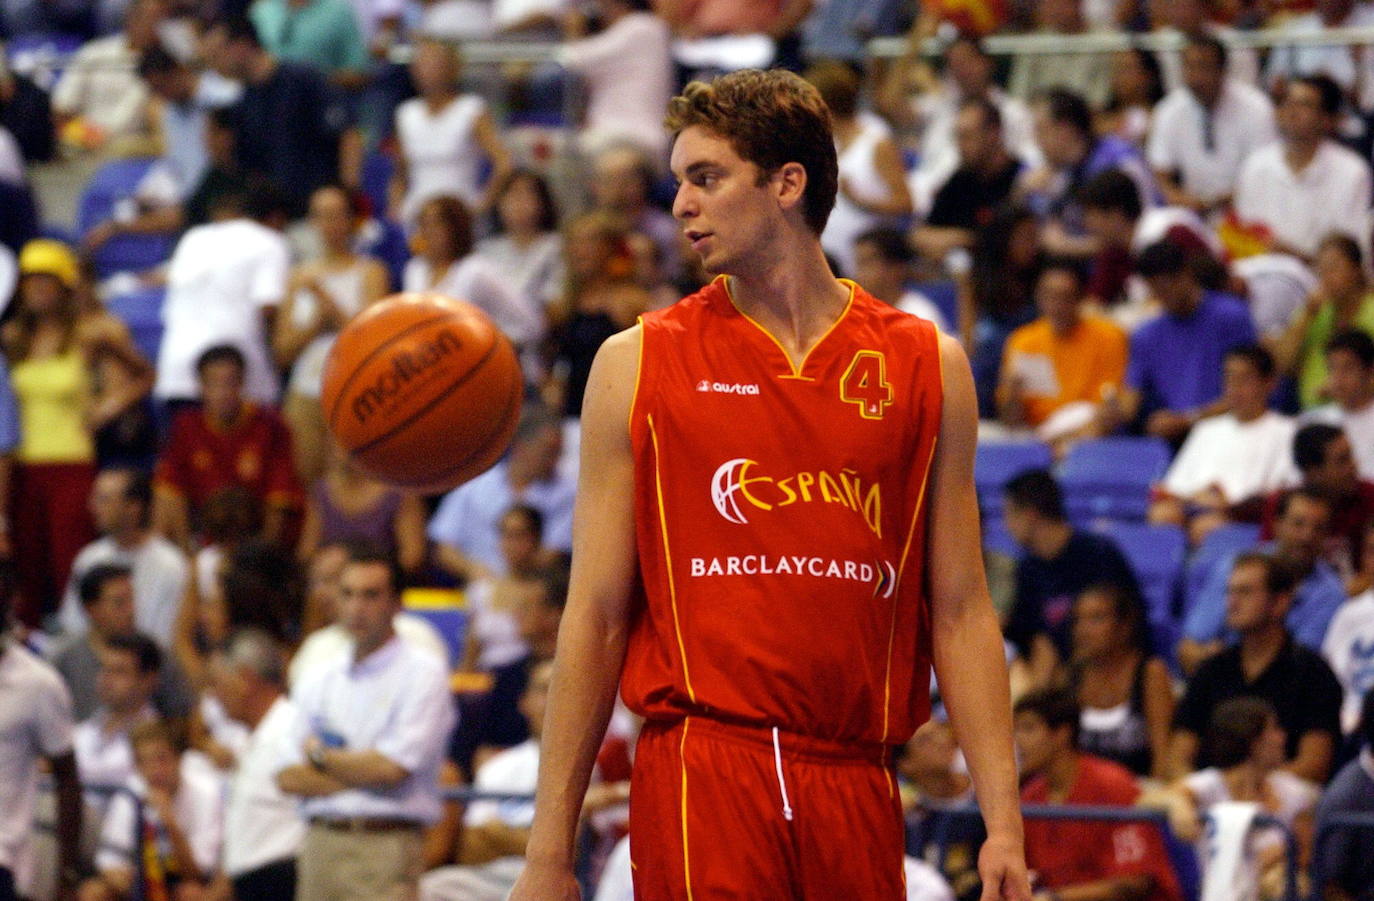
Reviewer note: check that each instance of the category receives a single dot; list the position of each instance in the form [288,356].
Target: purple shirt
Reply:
[1176,360]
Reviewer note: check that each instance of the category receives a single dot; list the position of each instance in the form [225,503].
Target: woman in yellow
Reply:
[72,371]
[1343,300]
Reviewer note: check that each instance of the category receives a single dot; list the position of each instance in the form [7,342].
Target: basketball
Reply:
[422,391]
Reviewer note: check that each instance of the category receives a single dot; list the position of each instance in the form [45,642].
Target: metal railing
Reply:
[1114,41]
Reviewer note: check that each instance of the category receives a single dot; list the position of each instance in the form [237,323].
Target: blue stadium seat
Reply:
[41,57]
[997,538]
[1156,555]
[996,463]
[141,311]
[1111,477]
[945,296]
[113,182]
[1217,546]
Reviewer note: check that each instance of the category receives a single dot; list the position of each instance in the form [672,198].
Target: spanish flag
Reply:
[978,17]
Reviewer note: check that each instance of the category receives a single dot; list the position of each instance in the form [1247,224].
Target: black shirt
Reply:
[288,130]
[1046,589]
[1298,683]
[27,114]
[968,200]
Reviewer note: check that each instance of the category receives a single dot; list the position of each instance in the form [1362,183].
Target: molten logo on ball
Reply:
[405,366]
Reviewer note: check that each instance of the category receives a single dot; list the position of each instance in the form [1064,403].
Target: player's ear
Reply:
[789,184]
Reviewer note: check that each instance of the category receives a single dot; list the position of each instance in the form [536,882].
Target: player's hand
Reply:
[544,882]
[1002,867]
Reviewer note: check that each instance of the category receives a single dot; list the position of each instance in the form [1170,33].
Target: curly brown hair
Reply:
[770,119]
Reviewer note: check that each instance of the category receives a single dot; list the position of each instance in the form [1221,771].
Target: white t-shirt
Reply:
[1279,284]
[333,643]
[160,574]
[220,279]
[345,286]
[1349,648]
[498,631]
[1301,208]
[1243,459]
[441,151]
[199,809]
[514,770]
[1293,795]
[858,170]
[1358,427]
[917,304]
[35,722]
[628,72]
[101,85]
[105,758]
[475,280]
[1241,122]
[261,824]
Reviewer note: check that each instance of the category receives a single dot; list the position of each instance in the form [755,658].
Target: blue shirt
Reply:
[1176,361]
[469,517]
[1315,602]
[9,412]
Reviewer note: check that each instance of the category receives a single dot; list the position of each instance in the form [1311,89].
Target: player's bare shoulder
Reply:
[612,383]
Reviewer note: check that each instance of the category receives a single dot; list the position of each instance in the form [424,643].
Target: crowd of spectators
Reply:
[1172,245]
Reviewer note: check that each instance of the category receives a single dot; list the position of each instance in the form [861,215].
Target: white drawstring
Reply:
[782,783]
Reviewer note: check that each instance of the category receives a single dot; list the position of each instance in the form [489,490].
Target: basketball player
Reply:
[777,535]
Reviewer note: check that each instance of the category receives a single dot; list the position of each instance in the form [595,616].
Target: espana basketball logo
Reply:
[406,366]
[734,480]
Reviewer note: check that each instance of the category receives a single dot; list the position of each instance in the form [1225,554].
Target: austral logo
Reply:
[406,366]
[737,489]
[709,387]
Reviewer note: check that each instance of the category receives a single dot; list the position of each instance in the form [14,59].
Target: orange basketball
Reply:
[422,391]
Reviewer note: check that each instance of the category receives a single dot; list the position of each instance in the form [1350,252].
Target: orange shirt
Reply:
[781,521]
[1056,370]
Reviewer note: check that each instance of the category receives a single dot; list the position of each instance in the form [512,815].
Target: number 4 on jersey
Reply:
[865,384]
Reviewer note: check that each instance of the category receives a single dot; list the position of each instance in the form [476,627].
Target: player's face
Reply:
[723,202]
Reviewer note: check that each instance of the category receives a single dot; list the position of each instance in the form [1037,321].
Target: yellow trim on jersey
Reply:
[796,370]
[686,858]
[639,373]
[896,588]
[668,560]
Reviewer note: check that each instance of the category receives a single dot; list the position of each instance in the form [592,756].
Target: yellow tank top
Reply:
[52,394]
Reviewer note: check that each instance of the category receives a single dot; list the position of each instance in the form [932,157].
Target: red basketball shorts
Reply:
[727,812]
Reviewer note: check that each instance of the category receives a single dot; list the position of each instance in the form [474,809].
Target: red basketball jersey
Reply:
[781,520]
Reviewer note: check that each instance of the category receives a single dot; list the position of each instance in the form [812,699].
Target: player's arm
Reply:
[969,660]
[591,639]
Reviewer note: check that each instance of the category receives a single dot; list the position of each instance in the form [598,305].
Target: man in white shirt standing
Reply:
[121,501]
[1242,454]
[263,829]
[1350,385]
[1305,185]
[35,724]
[365,747]
[224,284]
[1205,128]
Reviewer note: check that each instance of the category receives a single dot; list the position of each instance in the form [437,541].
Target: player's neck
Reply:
[795,297]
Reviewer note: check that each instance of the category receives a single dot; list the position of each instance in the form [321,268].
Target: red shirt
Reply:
[1066,853]
[255,452]
[781,521]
